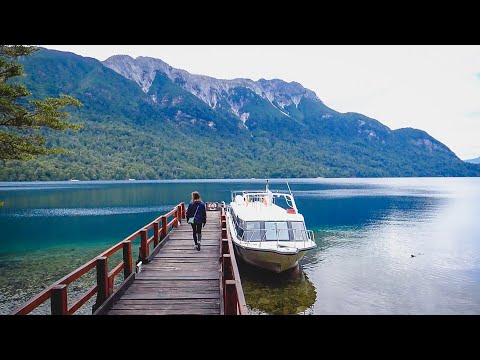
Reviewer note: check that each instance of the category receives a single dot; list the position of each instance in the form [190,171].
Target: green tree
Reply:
[20,120]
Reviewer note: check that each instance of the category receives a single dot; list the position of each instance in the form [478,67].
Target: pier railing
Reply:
[153,233]
[232,300]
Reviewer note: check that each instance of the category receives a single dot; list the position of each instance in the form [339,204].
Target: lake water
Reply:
[366,231]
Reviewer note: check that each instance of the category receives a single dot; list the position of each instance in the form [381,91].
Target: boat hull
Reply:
[270,260]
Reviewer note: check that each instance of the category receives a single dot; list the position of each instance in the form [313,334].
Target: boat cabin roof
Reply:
[257,211]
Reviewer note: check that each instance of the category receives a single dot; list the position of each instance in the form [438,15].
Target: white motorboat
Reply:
[265,234]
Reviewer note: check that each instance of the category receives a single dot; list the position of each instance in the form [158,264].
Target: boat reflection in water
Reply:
[287,293]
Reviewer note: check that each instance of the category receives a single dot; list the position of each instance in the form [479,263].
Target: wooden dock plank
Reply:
[162,302]
[172,294]
[169,276]
[174,283]
[179,279]
[180,268]
[191,305]
[180,256]
[191,311]
[153,288]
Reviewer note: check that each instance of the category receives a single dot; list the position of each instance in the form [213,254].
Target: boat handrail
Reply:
[258,192]
[306,235]
[251,196]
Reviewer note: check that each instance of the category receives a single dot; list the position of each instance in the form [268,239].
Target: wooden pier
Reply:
[171,277]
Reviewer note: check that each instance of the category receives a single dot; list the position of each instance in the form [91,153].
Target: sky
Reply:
[432,88]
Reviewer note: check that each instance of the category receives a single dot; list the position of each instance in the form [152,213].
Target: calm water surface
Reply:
[366,231]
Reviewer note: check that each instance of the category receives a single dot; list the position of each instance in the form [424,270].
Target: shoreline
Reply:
[229,180]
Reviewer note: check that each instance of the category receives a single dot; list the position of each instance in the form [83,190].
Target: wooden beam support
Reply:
[230,297]
[59,300]
[127,259]
[156,238]
[102,280]
[164,226]
[225,248]
[143,244]
[227,267]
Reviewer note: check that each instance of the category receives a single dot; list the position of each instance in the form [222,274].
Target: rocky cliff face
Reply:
[280,94]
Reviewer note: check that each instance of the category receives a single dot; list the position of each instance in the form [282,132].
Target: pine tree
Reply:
[21,119]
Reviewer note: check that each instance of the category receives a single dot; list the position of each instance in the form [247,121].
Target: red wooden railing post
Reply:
[156,239]
[225,248]
[178,215]
[111,279]
[227,266]
[102,280]
[58,302]
[184,215]
[164,227]
[224,224]
[143,245]
[230,297]
[127,259]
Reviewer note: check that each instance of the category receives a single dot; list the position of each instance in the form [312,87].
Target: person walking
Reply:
[197,216]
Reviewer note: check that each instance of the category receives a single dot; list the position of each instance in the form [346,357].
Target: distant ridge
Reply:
[474,161]
[144,119]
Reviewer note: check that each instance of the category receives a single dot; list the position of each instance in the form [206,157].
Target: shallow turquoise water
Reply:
[366,231]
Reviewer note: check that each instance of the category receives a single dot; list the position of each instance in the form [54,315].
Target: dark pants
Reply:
[197,229]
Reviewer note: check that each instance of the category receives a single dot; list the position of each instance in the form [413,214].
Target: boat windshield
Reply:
[277,230]
[273,231]
[298,229]
[253,231]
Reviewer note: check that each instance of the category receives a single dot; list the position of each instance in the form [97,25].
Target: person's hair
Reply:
[196,196]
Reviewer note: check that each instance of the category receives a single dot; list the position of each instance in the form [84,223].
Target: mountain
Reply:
[144,119]
[474,161]
[239,97]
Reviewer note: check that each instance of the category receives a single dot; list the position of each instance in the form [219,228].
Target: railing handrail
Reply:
[242,305]
[230,270]
[178,211]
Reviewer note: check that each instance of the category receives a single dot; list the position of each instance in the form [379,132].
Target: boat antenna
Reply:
[289,188]
[267,186]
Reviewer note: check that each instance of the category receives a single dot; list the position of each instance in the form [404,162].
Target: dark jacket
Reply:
[201,216]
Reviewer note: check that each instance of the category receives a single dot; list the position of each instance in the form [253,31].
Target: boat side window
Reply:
[299,231]
[276,230]
[252,232]
[240,226]
[237,224]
